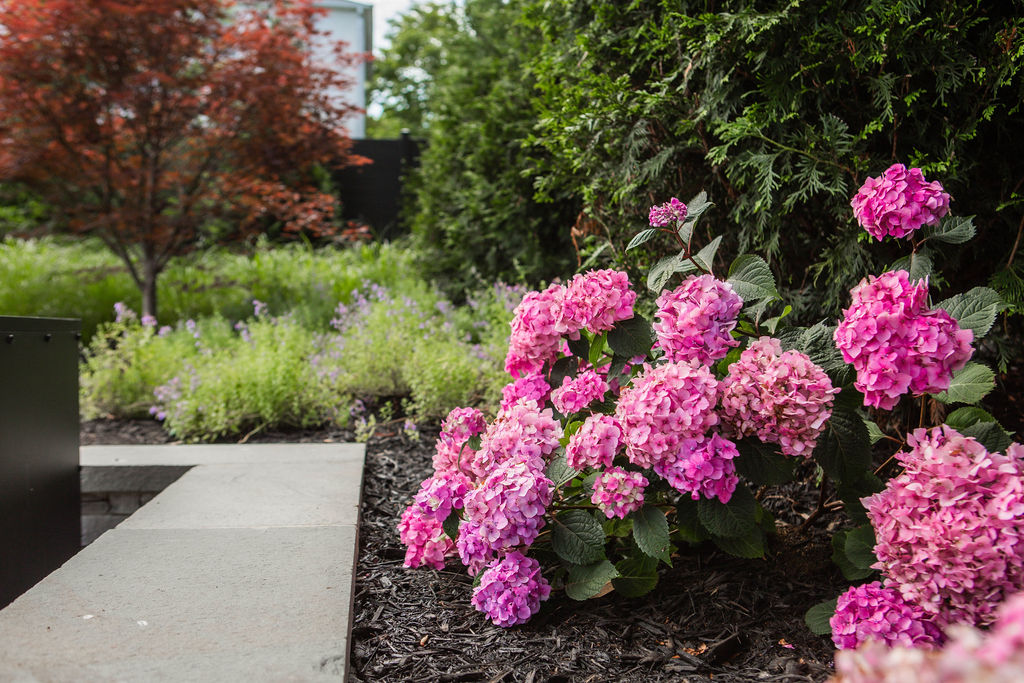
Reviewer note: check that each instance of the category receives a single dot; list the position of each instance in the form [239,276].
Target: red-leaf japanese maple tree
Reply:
[144,121]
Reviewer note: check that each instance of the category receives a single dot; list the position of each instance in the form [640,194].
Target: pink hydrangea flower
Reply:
[899,202]
[451,454]
[463,423]
[538,325]
[950,528]
[520,434]
[872,612]
[665,405]
[511,590]
[532,388]
[896,343]
[703,467]
[442,493]
[782,397]
[598,299]
[618,492]
[695,319]
[673,211]
[424,538]
[576,393]
[595,443]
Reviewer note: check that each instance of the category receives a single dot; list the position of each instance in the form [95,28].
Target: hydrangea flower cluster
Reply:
[505,511]
[950,528]
[896,343]
[520,434]
[668,213]
[969,656]
[529,388]
[618,492]
[872,612]
[511,590]
[782,397]
[899,202]
[425,540]
[451,453]
[595,443]
[695,319]
[576,393]
[703,466]
[665,405]
[598,299]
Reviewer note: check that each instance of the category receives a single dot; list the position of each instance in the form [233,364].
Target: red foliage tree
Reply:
[145,121]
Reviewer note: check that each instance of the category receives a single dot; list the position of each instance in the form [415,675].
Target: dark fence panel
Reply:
[39,483]
[373,193]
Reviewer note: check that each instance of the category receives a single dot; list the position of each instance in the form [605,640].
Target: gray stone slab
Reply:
[189,605]
[250,496]
[197,454]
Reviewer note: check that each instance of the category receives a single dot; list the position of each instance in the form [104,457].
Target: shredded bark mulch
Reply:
[711,617]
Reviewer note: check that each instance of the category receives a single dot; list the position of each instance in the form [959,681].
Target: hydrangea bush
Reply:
[619,439]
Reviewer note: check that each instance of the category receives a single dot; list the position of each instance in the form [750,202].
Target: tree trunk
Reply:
[149,288]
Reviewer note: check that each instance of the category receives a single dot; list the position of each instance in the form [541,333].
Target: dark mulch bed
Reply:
[712,616]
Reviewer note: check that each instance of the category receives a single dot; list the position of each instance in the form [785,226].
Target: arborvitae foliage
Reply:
[782,109]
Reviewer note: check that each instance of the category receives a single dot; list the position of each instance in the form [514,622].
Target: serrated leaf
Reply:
[751,278]
[586,581]
[474,442]
[970,384]
[642,237]
[698,205]
[817,618]
[660,273]
[773,323]
[563,367]
[920,265]
[844,448]
[650,531]
[851,572]
[705,258]
[964,417]
[990,435]
[850,492]
[952,230]
[688,526]
[875,434]
[729,520]
[974,310]
[580,347]
[750,546]
[632,337]
[558,470]
[451,525]
[860,546]
[760,463]
[577,537]
[637,576]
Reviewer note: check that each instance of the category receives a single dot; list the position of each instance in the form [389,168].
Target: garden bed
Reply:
[712,616]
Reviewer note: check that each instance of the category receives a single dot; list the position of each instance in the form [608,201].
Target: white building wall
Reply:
[351,22]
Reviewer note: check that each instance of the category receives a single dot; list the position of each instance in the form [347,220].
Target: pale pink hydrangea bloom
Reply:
[442,493]
[665,214]
[899,202]
[520,434]
[463,423]
[595,443]
[618,492]
[506,511]
[896,343]
[703,467]
[511,590]
[532,388]
[452,454]
[576,393]
[665,405]
[538,325]
[695,319]
[950,528]
[873,612]
[598,299]
[782,397]
[425,540]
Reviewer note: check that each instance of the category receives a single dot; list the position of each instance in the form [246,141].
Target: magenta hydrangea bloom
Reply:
[665,405]
[1005,640]
[511,590]
[520,434]
[532,388]
[538,325]
[576,393]
[782,397]
[899,202]
[442,493]
[702,467]
[598,299]
[424,538]
[950,528]
[695,319]
[668,213]
[618,492]
[595,443]
[872,612]
[896,343]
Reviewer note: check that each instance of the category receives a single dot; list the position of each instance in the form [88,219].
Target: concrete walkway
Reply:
[241,570]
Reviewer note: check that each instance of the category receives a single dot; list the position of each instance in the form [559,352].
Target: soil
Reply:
[712,617]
